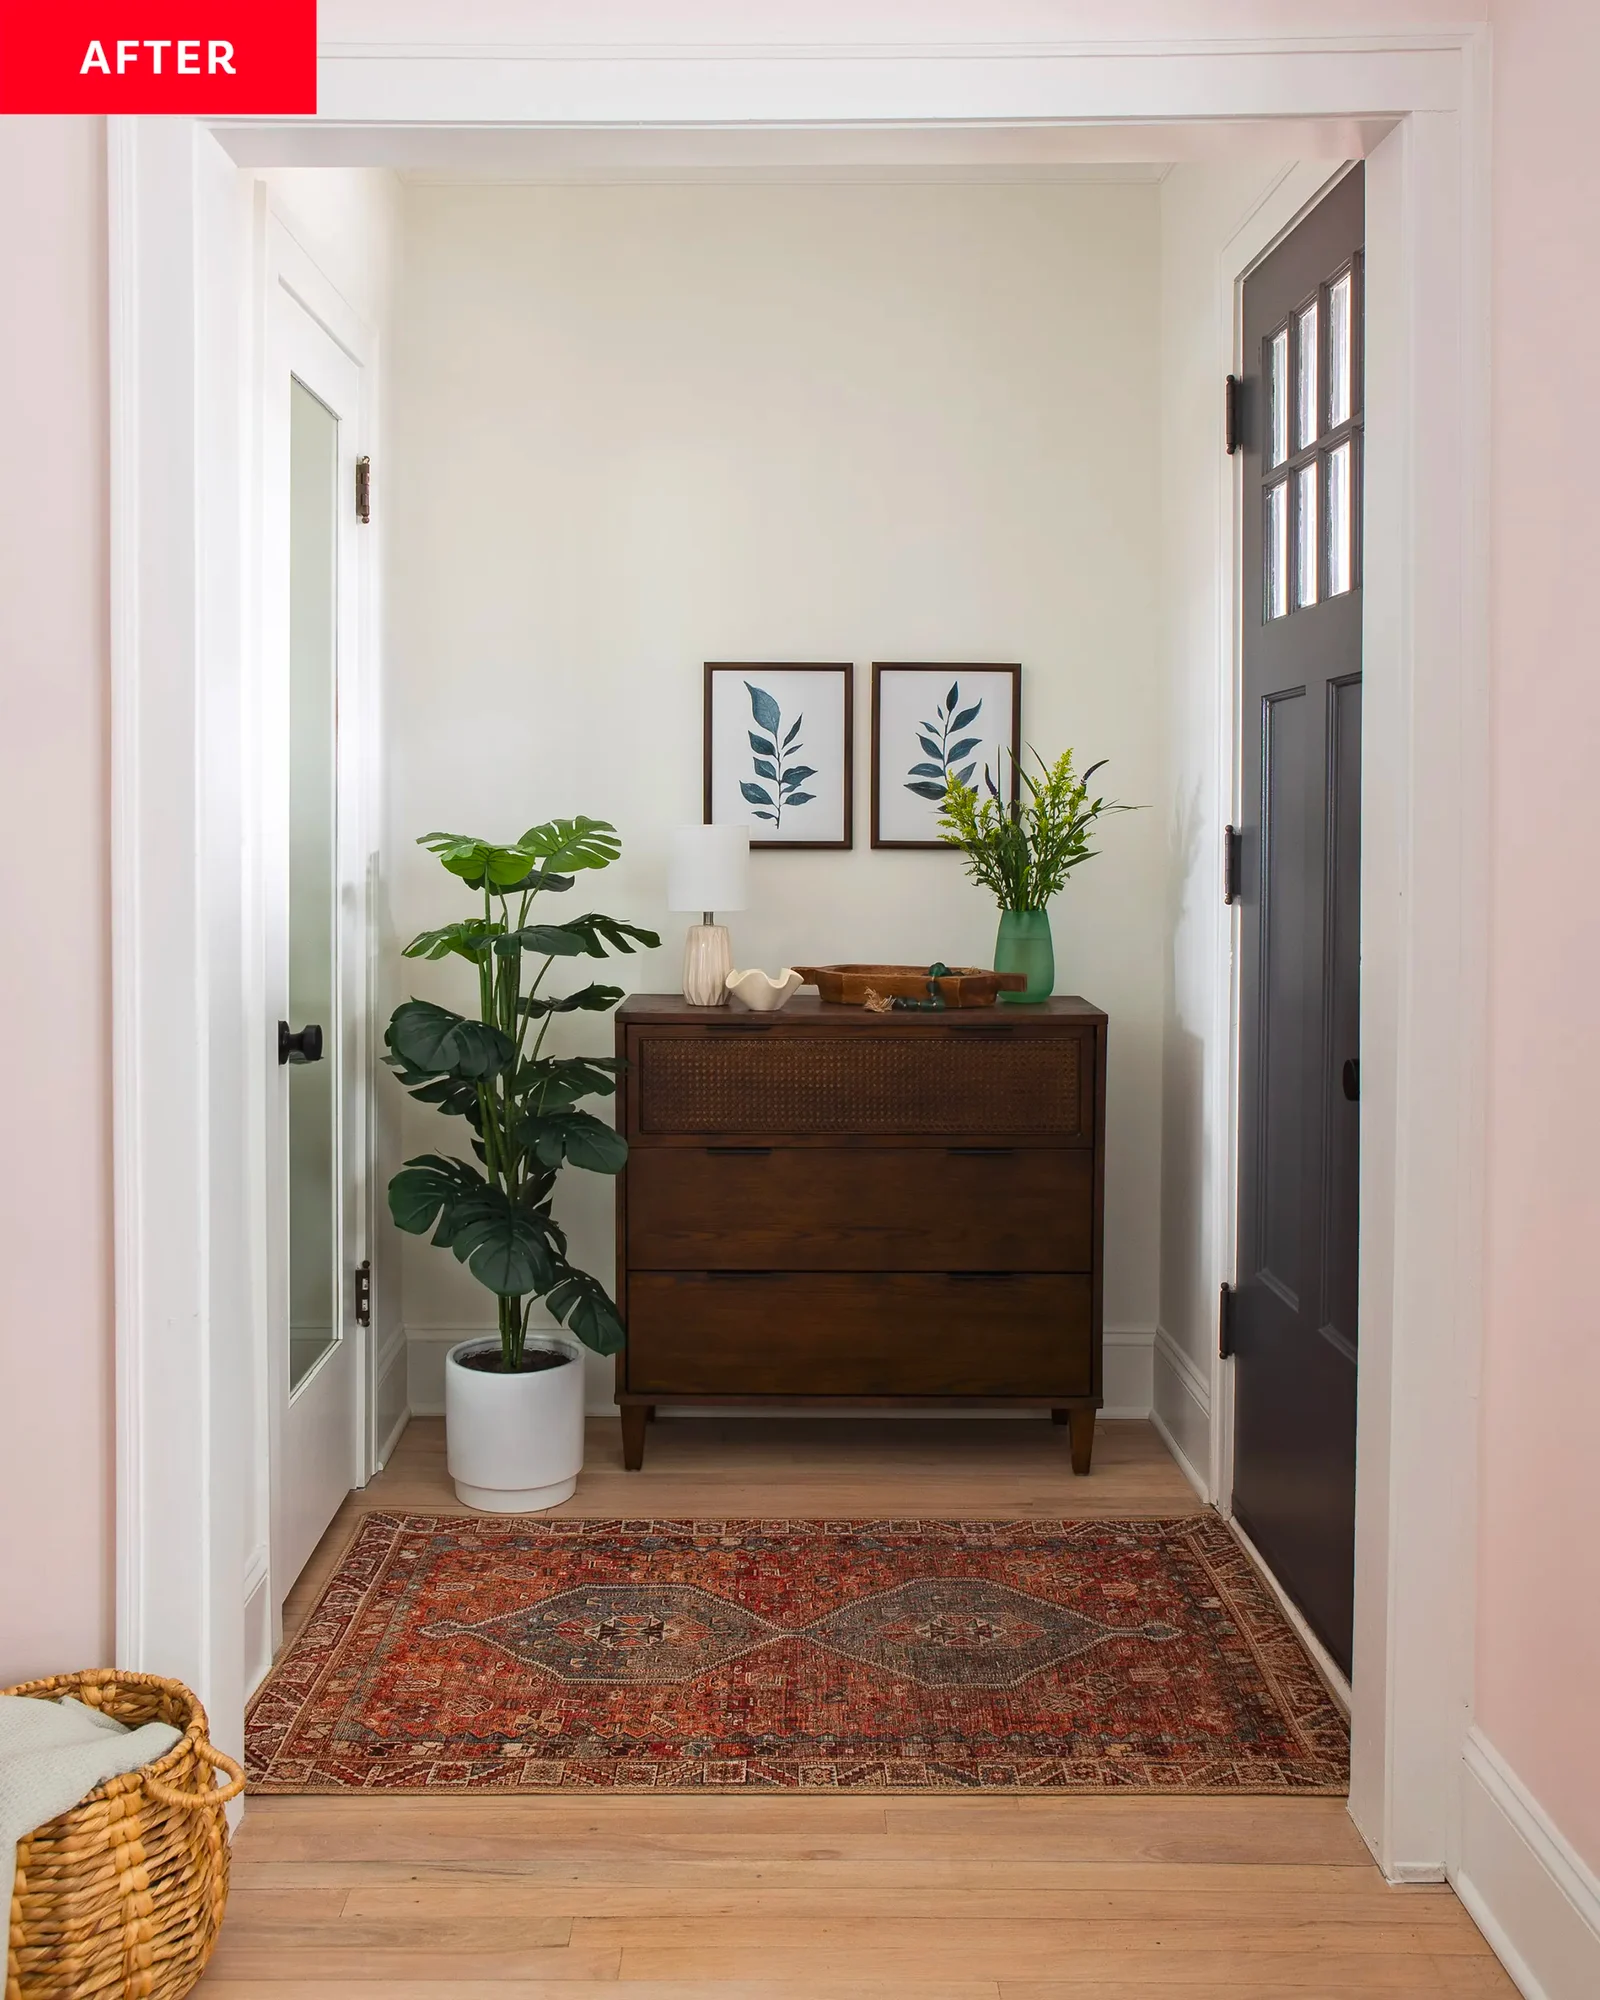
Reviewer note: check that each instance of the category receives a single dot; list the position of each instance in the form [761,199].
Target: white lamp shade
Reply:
[709,868]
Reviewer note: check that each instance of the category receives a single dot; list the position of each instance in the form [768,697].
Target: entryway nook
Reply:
[883,1434]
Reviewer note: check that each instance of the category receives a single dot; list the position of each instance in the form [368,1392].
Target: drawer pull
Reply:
[737,1277]
[981,1152]
[982,1277]
[752,1152]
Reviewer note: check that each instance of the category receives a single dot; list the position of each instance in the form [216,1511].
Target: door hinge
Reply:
[364,1292]
[1225,1322]
[364,490]
[1230,413]
[1232,864]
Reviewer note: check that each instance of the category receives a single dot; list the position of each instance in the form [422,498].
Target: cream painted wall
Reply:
[1539,1606]
[56,1455]
[642,428]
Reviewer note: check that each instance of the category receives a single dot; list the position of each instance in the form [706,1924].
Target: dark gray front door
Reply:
[1295,1314]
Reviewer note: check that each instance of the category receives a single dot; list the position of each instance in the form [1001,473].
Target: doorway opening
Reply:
[1380,1071]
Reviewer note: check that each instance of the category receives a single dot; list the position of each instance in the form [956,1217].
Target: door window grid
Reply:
[1311,539]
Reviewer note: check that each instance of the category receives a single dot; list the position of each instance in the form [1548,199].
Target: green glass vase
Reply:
[1024,945]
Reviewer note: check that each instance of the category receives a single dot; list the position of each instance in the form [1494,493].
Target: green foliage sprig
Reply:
[520,1104]
[1022,850]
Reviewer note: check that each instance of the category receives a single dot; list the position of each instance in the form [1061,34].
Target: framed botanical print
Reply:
[778,752]
[932,723]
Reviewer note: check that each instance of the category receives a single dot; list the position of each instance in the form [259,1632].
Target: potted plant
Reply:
[514,1408]
[1023,850]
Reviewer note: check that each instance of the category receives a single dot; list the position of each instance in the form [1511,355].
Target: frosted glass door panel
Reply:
[314,1317]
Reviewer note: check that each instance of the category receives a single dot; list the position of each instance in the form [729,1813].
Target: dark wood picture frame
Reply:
[743,667]
[953,667]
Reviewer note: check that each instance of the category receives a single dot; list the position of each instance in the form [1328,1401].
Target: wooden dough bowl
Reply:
[855,985]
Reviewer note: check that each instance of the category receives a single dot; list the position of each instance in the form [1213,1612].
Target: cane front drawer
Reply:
[895,1083]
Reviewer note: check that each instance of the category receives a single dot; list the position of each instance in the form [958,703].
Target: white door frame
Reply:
[176,619]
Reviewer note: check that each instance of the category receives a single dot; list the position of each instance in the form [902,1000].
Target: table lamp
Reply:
[709,870]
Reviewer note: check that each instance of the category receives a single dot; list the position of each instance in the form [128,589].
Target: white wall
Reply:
[639,428]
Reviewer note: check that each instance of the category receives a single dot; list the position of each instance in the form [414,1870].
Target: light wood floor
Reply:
[826,1899]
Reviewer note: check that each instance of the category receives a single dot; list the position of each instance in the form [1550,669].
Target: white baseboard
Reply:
[1525,1886]
[391,1395]
[1128,1372]
[1180,1409]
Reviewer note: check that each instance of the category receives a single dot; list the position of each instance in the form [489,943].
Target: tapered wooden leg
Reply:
[649,1413]
[1082,1422]
[634,1416]
[1059,1416]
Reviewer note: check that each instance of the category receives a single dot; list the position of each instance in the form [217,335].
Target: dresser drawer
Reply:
[785,1333]
[884,1208]
[885,1083]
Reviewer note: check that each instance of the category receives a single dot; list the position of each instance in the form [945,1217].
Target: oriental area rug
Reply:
[473,1653]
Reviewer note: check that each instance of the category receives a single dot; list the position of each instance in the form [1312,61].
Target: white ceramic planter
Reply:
[514,1443]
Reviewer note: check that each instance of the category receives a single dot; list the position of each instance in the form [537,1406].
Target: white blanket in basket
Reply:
[53,1753]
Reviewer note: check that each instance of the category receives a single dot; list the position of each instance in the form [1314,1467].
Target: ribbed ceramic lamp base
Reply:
[707,961]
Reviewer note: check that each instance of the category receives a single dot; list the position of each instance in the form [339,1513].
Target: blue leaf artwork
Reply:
[770,748]
[945,747]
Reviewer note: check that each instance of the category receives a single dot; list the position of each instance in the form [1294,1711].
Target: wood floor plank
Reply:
[774,1906]
[1148,1969]
[825,1898]
[357,1964]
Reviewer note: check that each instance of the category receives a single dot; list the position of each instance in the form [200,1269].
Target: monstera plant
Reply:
[521,1106]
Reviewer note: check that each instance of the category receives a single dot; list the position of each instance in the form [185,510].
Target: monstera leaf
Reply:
[506,1248]
[480,862]
[588,999]
[590,934]
[553,1083]
[583,1304]
[438,1042]
[468,940]
[573,1138]
[572,844]
[428,1188]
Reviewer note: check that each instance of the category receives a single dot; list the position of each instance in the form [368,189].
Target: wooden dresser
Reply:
[833,1208]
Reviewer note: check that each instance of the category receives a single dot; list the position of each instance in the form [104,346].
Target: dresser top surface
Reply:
[805,1010]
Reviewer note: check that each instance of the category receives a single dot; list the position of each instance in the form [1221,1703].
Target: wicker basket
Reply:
[124,1894]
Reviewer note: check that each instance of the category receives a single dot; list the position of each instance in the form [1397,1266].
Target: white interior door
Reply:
[316,955]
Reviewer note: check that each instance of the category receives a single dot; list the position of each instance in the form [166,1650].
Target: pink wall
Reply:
[56,1448]
[1539,1608]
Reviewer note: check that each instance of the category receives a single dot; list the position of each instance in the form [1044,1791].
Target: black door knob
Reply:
[304,1047]
[1350,1077]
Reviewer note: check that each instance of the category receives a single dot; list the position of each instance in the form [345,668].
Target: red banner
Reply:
[195,58]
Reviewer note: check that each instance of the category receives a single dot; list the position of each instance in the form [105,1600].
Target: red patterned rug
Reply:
[482,1653]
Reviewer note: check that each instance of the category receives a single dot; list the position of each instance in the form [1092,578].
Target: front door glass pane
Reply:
[1306,378]
[1340,532]
[1305,553]
[1275,583]
[1278,397]
[1339,370]
[314,1317]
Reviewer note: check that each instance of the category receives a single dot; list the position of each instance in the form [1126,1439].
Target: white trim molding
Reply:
[1180,1408]
[1523,1883]
[180,1154]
